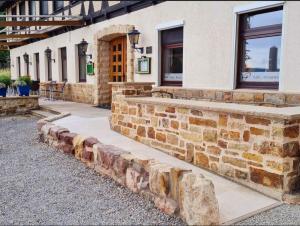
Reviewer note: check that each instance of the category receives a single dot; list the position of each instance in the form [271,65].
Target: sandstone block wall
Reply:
[77,92]
[173,190]
[260,152]
[255,97]
[18,105]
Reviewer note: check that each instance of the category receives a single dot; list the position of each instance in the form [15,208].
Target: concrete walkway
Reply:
[236,202]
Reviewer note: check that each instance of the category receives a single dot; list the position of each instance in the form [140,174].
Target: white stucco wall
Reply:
[208,43]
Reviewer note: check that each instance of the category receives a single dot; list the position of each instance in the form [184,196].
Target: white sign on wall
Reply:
[260,76]
[173,77]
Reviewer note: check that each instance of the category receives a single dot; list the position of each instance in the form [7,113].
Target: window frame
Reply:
[79,66]
[163,48]
[54,6]
[41,6]
[254,33]
[64,67]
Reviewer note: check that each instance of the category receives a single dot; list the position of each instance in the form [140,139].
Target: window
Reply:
[49,68]
[22,12]
[43,7]
[19,66]
[32,9]
[37,66]
[22,8]
[14,12]
[172,56]
[63,55]
[58,5]
[259,49]
[82,67]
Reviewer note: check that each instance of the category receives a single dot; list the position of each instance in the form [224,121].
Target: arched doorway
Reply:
[106,39]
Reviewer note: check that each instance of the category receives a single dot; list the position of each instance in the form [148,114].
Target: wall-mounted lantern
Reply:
[134,36]
[82,48]
[26,58]
[48,54]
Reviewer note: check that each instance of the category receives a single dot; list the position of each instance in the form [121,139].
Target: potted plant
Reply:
[23,85]
[5,81]
[3,89]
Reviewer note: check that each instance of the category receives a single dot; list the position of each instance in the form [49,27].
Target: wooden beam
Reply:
[12,43]
[6,36]
[41,23]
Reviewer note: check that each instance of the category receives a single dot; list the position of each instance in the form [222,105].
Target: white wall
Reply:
[208,46]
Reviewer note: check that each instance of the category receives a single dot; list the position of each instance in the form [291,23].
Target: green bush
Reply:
[26,79]
[2,85]
[20,83]
[5,80]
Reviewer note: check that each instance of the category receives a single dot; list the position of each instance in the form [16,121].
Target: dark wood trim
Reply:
[42,23]
[3,36]
[12,43]
[99,16]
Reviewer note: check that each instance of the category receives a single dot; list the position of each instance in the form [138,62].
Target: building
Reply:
[227,51]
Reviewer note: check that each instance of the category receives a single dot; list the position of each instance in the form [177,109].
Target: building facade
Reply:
[203,45]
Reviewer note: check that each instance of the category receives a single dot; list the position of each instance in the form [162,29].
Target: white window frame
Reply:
[255,6]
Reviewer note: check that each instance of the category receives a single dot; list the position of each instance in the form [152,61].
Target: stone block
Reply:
[161,137]
[291,131]
[265,178]
[67,137]
[56,130]
[259,132]
[210,135]
[234,161]
[78,146]
[274,98]
[201,160]
[159,177]
[203,122]
[198,203]
[135,180]
[41,123]
[151,132]
[252,157]
[166,205]
[257,120]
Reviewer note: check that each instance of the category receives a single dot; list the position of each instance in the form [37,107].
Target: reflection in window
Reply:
[172,56]
[260,47]
[58,5]
[261,59]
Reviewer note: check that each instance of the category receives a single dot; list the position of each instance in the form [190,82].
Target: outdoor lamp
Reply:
[48,54]
[82,48]
[26,58]
[134,36]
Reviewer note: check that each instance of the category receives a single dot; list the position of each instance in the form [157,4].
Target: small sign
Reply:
[90,68]
[144,65]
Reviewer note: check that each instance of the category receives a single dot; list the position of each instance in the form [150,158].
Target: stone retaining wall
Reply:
[260,152]
[18,105]
[256,97]
[77,92]
[173,190]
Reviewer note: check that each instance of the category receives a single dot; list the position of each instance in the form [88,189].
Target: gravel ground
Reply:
[281,215]
[42,186]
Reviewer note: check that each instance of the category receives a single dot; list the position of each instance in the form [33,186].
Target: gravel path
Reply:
[39,185]
[281,215]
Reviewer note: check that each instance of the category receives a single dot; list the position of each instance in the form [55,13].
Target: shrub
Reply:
[2,85]
[20,83]
[26,79]
[5,80]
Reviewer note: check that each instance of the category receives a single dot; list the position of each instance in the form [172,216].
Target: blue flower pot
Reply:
[3,92]
[23,90]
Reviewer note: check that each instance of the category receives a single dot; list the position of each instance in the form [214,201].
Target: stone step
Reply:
[43,113]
